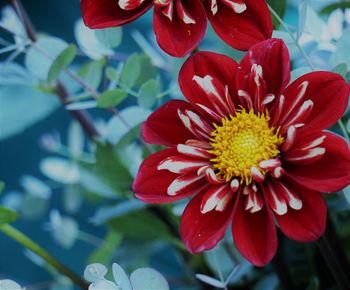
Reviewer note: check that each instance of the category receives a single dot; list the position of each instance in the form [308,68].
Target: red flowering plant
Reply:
[249,148]
[180,25]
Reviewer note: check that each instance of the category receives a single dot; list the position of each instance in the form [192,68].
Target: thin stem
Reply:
[282,269]
[331,251]
[301,49]
[82,116]
[35,248]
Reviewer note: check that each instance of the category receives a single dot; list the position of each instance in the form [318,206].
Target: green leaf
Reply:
[141,225]
[280,7]
[341,69]
[64,59]
[104,253]
[110,37]
[131,71]
[92,72]
[129,137]
[108,177]
[148,93]
[112,74]
[41,55]
[2,186]
[330,8]
[314,284]
[148,70]
[7,215]
[111,98]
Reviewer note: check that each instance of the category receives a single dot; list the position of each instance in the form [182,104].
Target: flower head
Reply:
[250,148]
[180,25]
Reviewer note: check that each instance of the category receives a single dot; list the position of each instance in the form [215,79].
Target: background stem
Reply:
[22,239]
[334,256]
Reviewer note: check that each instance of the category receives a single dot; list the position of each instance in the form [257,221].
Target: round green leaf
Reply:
[111,98]
[65,58]
[148,93]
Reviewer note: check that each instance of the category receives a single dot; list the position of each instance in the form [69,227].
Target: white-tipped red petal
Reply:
[308,223]
[330,173]
[184,183]
[181,164]
[130,4]
[212,177]
[305,156]
[183,14]
[254,202]
[163,127]
[212,197]
[193,151]
[257,175]
[237,6]
[276,200]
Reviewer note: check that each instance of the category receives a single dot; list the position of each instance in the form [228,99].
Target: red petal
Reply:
[151,184]
[176,37]
[272,55]
[328,174]
[254,234]
[308,223]
[241,30]
[329,93]
[107,13]
[219,67]
[164,126]
[202,232]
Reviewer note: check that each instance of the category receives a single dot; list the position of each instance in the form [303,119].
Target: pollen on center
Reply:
[241,142]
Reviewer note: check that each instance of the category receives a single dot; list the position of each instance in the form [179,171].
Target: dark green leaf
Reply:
[2,186]
[330,8]
[7,215]
[104,253]
[142,225]
[148,70]
[92,72]
[112,74]
[111,98]
[131,71]
[280,7]
[314,284]
[129,137]
[108,173]
[64,59]
[148,93]
[341,69]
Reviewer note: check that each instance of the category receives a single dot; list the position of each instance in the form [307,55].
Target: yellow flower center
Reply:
[242,142]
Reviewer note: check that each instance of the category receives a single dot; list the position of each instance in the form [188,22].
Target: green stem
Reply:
[332,252]
[285,26]
[25,241]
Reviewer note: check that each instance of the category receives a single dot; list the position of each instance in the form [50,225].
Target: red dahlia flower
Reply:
[249,148]
[180,25]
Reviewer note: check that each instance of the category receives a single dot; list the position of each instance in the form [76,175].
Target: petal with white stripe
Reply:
[181,164]
[184,183]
